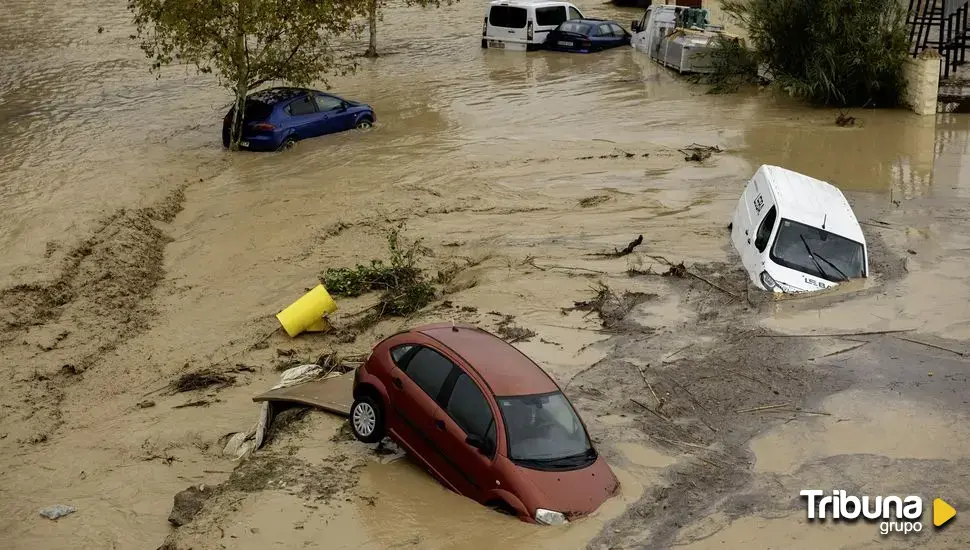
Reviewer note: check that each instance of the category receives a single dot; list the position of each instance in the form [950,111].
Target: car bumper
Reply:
[568,49]
[260,143]
[511,45]
[255,143]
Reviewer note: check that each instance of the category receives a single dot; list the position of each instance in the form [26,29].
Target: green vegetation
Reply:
[844,53]
[405,287]
[734,66]
[246,43]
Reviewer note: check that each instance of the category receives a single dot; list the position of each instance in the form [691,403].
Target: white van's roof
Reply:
[530,3]
[807,200]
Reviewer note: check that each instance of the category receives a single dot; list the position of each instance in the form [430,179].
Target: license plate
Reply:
[564,43]
[496,44]
[244,144]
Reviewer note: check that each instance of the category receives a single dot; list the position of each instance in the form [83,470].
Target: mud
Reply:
[142,253]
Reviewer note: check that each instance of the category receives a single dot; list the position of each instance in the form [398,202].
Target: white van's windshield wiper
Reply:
[813,256]
[835,267]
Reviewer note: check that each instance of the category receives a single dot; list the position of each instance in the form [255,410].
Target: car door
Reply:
[302,115]
[547,19]
[762,238]
[466,411]
[619,35]
[639,40]
[508,23]
[602,36]
[758,216]
[416,382]
[334,117]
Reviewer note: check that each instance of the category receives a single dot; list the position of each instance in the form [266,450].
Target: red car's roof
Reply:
[506,370]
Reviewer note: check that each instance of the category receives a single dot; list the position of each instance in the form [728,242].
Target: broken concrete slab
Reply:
[298,386]
[333,394]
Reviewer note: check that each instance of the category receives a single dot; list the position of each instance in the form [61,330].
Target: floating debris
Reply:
[57,511]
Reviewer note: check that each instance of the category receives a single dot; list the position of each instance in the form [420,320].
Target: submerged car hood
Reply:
[574,493]
[794,281]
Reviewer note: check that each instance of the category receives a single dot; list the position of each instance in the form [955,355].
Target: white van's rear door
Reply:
[506,26]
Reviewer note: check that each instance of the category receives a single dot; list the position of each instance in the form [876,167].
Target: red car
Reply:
[483,419]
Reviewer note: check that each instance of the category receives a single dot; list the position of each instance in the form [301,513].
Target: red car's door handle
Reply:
[397,383]
[440,424]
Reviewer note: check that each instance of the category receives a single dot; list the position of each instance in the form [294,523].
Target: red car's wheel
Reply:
[367,419]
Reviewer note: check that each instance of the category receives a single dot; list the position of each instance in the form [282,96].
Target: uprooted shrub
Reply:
[733,64]
[404,285]
[844,53]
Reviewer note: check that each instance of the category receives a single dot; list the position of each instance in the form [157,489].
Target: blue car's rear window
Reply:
[256,110]
[577,28]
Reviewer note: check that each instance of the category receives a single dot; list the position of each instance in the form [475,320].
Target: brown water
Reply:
[89,130]
[468,142]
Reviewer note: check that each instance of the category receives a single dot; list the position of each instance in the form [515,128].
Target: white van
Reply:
[795,233]
[523,24]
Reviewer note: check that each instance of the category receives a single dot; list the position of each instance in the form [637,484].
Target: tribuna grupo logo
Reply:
[894,514]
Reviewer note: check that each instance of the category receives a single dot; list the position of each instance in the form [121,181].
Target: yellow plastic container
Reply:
[319,326]
[307,312]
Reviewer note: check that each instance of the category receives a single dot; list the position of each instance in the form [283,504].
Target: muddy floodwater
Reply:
[136,250]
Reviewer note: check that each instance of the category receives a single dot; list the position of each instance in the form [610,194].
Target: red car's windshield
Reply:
[545,430]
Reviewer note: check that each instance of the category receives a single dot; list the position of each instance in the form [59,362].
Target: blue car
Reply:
[587,35]
[276,118]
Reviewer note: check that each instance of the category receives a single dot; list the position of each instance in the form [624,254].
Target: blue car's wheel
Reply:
[287,144]
[364,123]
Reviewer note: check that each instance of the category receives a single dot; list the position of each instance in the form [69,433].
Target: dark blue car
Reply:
[276,118]
[587,35]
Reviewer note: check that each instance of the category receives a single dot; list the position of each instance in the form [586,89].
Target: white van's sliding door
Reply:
[757,216]
[762,237]
[547,19]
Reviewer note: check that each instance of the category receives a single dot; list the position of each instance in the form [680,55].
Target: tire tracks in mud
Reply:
[53,331]
[684,401]
[702,391]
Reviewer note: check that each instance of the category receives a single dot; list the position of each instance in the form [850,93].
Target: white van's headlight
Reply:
[548,517]
[770,283]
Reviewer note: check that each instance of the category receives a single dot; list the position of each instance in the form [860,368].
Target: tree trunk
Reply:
[372,27]
[242,80]
[235,132]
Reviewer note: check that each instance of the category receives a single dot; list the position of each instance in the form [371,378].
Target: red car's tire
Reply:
[367,419]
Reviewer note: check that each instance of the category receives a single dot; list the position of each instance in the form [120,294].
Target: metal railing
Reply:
[942,25]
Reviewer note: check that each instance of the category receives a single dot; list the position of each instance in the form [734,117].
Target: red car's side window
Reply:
[471,411]
[429,370]
[399,354]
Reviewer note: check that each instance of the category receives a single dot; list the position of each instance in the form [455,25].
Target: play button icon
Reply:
[942,512]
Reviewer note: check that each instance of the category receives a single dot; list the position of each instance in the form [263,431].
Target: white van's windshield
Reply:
[818,252]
